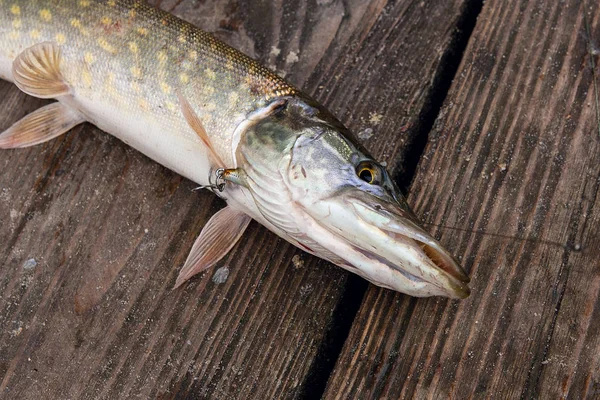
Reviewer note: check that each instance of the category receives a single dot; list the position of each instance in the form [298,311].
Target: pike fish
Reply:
[219,118]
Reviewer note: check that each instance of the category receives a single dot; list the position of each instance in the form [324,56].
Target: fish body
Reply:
[219,118]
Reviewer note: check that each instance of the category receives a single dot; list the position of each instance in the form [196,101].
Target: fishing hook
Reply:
[219,182]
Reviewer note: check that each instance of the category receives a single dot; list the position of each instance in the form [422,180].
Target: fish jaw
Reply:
[395,253]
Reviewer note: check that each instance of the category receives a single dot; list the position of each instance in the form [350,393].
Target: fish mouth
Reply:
[395,252]
[450,278]
[452,289]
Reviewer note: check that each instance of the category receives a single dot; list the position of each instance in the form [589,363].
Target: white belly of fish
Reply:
[164,144]
[5,68]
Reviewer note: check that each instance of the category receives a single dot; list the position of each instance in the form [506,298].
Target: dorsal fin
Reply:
[36,71]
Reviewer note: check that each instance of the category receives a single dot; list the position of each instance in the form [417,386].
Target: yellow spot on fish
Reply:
[106,20]
[249,80]
[210,107]
[34,34]
[86,76]
[132,13]
[136,72]
[186,65]
[165,88]
[133,47]
[109,83]
[142,31]
[161,56]
[285,92]
[233,98]
[182,39]
[84,3]
[60,38]
[184,78]
[135,86]
[17,23]
[143,104]
[15,9]
[106,46]
[193,55]
[45,15]
[209,90]
[171,106]
[75,23]
[111,3]
[14,35]
[210,73]
[88,57]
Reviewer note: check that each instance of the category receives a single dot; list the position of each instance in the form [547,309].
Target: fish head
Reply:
[313,186]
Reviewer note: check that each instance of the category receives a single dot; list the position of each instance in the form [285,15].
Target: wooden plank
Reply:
[509,182]
[93,233]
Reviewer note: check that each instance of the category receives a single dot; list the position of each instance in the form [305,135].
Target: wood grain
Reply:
[510,183]
[93,233]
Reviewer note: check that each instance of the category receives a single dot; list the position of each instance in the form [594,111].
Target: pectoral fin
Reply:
[40,126]
[36,71]
[194,122]
[219,235]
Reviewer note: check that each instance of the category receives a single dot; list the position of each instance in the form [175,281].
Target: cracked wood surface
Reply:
[93,233]
[510,182]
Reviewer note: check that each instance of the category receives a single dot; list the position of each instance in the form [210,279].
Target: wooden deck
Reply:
[488,114]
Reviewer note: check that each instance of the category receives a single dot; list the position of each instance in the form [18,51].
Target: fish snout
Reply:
[397,240]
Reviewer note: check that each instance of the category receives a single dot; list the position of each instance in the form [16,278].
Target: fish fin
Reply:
[40,126]
[218,236]
[194,122]
[36,71]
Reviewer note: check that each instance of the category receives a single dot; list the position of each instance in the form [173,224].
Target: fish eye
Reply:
[369,172]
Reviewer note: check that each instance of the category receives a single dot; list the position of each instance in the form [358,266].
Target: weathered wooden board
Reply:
[92,233]
[510,181]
